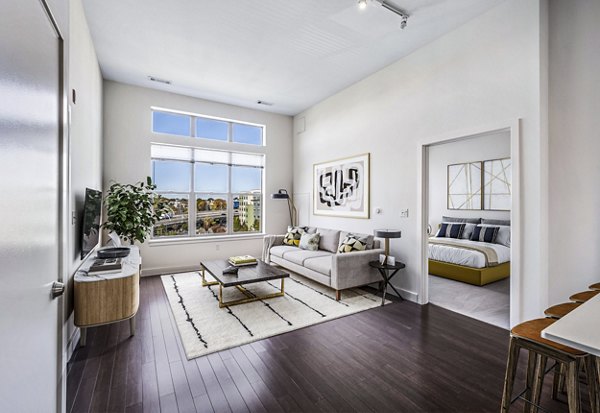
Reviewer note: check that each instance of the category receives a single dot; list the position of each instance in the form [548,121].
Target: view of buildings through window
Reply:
[208,192]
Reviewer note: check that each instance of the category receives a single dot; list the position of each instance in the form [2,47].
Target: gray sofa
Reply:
[326,266]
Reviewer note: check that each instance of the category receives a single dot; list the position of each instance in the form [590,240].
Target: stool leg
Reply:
[557,380]
[531,366]
[573,387]
[511,371]
[538,381]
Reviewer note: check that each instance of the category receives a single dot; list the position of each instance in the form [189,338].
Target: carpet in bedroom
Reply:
[489,303]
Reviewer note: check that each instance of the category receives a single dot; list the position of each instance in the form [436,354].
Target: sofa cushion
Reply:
[298,256]
[352,243]
[330,239]
[309,242]
[292,237]
[320,264]
[369,238]
[279,250]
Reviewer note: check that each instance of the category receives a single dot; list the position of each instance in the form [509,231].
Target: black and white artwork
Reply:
[341,187]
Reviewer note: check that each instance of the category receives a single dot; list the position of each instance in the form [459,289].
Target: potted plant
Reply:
[133,209]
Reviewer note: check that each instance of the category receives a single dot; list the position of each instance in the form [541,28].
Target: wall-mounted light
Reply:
[362,4]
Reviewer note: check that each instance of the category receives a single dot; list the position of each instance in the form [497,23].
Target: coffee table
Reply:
[246,275]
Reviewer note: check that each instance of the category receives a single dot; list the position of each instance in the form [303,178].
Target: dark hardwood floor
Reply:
[399,358]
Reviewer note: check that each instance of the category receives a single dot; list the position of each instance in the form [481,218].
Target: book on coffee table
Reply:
[241,260]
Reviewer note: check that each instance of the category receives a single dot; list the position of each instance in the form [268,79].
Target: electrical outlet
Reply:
[404,213]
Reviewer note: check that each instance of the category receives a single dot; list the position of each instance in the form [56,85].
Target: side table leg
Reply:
[83,337]
[132,326]
[384,293]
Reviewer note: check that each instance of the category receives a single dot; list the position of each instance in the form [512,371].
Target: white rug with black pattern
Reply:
[206,328]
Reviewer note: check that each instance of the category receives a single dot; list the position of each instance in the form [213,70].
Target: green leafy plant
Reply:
[133,209]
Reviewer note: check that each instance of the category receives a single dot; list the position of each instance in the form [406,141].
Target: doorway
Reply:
[470,183]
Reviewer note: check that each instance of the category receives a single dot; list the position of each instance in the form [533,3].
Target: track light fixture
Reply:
[362,4]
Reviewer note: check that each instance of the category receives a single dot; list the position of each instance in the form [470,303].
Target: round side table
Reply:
[387,273]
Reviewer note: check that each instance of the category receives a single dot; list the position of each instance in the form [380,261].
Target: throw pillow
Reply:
[485,234]
[353,243]
[310,242]
[448,230]
[292,237]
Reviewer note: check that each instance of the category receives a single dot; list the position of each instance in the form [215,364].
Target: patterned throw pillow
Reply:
[292,237]
[353,243]
[448,230]
[485,234]
[310,242]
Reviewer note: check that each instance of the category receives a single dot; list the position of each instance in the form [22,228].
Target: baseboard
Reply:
[407,295]
[149,272]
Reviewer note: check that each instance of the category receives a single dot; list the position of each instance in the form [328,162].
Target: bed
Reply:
[472,262]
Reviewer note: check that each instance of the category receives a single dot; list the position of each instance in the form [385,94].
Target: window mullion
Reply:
[192,204]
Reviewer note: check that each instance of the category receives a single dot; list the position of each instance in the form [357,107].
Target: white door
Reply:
[30,142]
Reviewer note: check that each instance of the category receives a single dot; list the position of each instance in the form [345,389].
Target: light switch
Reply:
[404,213]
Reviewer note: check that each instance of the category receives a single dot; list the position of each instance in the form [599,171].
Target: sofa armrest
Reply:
[352,269]
[270,241]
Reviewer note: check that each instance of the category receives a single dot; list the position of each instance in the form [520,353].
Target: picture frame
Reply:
[464,190]
[341,187]
[497,184]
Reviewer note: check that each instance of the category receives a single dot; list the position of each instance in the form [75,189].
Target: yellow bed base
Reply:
[475,276]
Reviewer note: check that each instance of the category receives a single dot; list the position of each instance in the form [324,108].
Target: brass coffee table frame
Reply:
[250,297]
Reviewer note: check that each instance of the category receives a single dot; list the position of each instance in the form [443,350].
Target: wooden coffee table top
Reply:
[246,274]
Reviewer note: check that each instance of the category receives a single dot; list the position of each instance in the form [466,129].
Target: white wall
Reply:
[480,148]
[485,72]
[85,135]
[574,219]
[127,139]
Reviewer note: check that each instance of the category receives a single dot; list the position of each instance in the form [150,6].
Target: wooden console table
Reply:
[108,298]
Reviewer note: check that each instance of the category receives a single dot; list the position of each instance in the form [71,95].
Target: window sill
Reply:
[200,240]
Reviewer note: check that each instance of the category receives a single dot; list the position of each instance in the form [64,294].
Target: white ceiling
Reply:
[293,53]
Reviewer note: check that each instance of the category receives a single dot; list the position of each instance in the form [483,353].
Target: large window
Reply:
[202,127]
[209,192]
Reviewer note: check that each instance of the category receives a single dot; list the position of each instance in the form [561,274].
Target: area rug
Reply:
[206,328]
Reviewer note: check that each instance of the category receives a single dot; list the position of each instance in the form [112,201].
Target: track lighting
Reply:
[362,4]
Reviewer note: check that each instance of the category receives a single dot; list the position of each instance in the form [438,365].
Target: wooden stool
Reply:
[595,287]
[560,310]
[584,296]
[527,336]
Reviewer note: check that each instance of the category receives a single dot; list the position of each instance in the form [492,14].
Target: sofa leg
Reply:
[338,295]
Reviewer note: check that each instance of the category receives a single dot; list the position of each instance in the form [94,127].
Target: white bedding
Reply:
[466,257]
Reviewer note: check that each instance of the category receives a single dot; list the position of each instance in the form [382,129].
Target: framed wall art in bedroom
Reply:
[341,187]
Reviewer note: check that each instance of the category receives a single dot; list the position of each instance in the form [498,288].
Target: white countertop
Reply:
[579,329]
[131,265]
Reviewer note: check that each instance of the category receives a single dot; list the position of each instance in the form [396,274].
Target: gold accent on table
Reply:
[250,296]
[207,283]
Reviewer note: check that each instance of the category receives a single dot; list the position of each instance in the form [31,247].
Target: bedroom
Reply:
[469,193]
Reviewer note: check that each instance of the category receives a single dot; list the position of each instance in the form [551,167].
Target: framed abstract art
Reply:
[497,178]
[464,186]
[341,187]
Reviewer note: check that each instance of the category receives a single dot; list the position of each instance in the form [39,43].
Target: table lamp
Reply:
[386,234]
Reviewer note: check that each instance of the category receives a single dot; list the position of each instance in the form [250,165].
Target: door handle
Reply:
[58,289]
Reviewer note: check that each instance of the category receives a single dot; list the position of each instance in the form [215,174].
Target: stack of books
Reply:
[106,266]
[242,260]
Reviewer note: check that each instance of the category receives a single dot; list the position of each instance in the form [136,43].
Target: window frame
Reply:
[194,116]
[193,194]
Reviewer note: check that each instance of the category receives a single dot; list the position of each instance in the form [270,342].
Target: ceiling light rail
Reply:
[362,4]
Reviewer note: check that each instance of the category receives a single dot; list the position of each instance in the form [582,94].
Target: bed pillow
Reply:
[448,230]
[293,235]
[468,231]
[462,220]
[505,222]
[503,237]
[485,234]
[309,242]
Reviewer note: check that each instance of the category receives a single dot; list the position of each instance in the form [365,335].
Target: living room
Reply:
[242,114]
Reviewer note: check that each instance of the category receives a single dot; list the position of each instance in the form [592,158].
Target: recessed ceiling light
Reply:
[362,4]
[156,79]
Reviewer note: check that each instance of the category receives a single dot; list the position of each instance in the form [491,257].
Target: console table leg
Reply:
[83,337]
[132,326]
